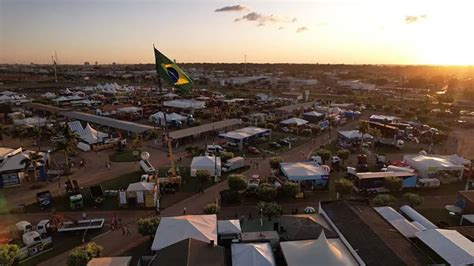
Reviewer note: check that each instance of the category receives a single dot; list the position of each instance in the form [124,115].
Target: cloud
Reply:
[264,19]
[414,19]
[236,8]
[301,29]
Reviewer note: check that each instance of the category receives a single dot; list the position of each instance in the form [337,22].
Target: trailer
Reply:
[373,182]
[233,164]
[399,144]
[81,225]
[147,167]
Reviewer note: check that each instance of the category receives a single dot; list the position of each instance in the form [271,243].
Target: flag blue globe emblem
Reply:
[173,74]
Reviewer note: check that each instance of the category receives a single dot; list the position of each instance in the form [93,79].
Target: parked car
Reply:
[275,145]
[284,142]
[253,150]
[285,129]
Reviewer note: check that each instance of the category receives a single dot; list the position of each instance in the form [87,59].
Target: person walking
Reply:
[123,230]
[84,216]
[184,210]
[128,231]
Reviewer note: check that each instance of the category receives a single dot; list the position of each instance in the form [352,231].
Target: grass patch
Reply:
[124,156]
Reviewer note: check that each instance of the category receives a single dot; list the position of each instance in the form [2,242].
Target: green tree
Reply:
[9,254]
[34,159]
[227,156]
[413,199]
[323,153]
[343,154]
[343,186]
[136,142]
[211,208]
[83,254]
[383,200]
[67,144]
[269,209]
[393,183]
[237,182]
[363,127]
[290,189]
[266,192]
[275,162]
[203,176]
[148,226]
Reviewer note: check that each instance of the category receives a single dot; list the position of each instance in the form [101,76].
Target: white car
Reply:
[215,149]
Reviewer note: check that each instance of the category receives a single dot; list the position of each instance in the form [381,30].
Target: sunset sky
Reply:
[324,31]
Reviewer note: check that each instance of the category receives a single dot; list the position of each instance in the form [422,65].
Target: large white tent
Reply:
[300,171]
[450,245]
[321,251]
[174,229]
[354,135]
[251,254]
[428,165]
[210,163]
[228,227]
[87,134]
[159,118]
[294,121]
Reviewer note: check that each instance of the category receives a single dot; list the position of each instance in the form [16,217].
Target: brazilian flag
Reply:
[172,73]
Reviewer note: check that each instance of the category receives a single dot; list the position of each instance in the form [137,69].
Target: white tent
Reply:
[354,135]
[450,245]
[159,118]
[210,163]
[174,229]
[91,135]
[294,121]
[304,171]
[252,255]
[228,227]
[431,164]
[321,251]
[141,186]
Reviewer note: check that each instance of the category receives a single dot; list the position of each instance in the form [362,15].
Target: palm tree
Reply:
[67,144]
[34,159]
[363,127]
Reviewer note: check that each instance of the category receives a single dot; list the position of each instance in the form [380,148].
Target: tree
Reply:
[230,196]
[275,162]
[343,186]
[324,154]
[211,208]
[413,199]
[203,176]
[266,192]
[34,159]
[148,226]
[67,144]
[8,254]
[269,209]
[393,183]
[363,127]
[83,254]
[237,182]
[136,142]
[290,189]
[226,156]
[383,200]
[343,154]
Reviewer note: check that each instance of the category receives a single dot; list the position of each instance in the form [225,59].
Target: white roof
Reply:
[14,162]
[354,134]
[313,113]
[303,171]
[244,133]
[294,121]
[130,109]
[450,245]
[141,186]
[31,121]
[204,161]
[174,229]
[185,104]
[225,227]
[431,161]
[383,117]
[252,255]
[321,251]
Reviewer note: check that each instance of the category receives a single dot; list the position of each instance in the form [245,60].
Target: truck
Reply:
[399,144]
[233,164]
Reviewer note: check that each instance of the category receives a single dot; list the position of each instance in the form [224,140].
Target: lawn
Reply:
[124,156]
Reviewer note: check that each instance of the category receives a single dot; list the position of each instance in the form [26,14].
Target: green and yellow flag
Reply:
[171,72]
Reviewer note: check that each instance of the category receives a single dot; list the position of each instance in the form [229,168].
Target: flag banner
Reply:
[171,72]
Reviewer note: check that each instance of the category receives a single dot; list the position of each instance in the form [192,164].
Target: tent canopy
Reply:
[141,186]
[174,229]
[303,171]
[228,227]
[321,251]
[294,121]
[354,135]
[252,255]
[210,163]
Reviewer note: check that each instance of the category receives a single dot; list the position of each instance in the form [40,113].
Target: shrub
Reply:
[383,200]
[237,182]
[148,226]
[413,199]
[290,189]
[211,208]
[275,162]
[323,153]
[393,183]
[343,154]
[230,196]
[266,192]
[343,186]
[83,254]
[9,254]
[269,209]
[226,156]
[203,176]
